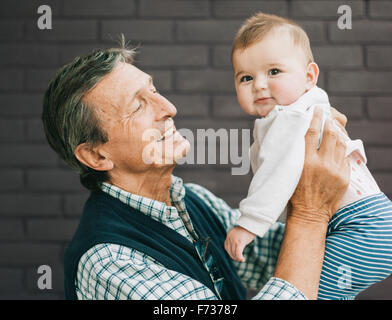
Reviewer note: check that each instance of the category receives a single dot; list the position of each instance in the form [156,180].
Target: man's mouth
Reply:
[169,132]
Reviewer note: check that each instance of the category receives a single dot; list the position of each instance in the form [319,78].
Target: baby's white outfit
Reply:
[277,159]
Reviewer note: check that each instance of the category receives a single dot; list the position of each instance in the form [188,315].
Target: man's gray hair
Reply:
[67,120]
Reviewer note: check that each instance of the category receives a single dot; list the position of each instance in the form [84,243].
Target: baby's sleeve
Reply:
[280,161]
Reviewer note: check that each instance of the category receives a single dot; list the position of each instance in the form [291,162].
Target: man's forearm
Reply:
[301,255]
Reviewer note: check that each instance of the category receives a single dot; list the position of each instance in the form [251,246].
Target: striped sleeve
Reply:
[358,250]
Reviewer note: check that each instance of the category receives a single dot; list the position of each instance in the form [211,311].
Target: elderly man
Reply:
[143,233]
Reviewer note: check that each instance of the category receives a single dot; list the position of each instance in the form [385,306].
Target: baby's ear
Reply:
[312,73]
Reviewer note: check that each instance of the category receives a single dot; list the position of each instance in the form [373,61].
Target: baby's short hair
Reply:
[259,25]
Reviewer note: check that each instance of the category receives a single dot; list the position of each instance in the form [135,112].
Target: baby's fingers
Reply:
[238,253]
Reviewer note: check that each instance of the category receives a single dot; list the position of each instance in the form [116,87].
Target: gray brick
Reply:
[11,280]
[11,229]
[325,9]
[28,55]
[379,56]
[20,104]
[380,108]
[39,79]
[29,205]
[11,80]
[11,179]
[27,155]
[228,107]
[71,51]
[381,290]
[18,254]
[25,295]
[372,133]
[176,56]
[163,79]
[380,9]
[11,130]
[64,30]
[361,82]
[363,31]
[338,56]
[214,123]
[315,30]
[213,81]
[247,8]
[221,56]
[53,180]
[138,30]
[35,130]
[11,30]
[174,8]
[215,31]
[22,8]
[384,181]
[189,105]
[351,107]
[379,158]
[74,203]
[51,229]
[101,8]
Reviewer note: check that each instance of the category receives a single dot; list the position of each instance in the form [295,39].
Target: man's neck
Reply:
[154,185]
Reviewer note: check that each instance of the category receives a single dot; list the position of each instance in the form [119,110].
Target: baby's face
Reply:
[270,72]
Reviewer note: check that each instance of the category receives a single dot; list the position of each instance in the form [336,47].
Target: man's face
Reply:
[138,121]
[270,72]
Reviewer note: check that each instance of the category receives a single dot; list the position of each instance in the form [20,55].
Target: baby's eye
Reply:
[273,72]
[246,79]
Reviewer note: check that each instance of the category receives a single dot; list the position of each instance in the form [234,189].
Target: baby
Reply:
[275,79]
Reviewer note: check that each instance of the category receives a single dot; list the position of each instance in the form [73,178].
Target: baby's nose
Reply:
[260,83]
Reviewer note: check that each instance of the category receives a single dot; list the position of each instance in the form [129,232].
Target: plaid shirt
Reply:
[111,271]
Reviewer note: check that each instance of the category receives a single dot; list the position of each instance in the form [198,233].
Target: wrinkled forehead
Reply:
[113,92]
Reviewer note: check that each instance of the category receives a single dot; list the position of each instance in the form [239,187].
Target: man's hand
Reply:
[325,175]
[318,195]
[340,119]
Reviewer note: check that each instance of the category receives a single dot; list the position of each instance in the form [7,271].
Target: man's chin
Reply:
[181,150]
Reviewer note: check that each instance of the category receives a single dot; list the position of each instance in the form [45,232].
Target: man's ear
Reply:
[92,157]
[312,73]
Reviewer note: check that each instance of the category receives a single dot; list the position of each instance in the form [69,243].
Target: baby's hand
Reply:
[236,240]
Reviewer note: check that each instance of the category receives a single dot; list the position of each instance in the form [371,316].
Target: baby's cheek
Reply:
[287,92]
[246,103]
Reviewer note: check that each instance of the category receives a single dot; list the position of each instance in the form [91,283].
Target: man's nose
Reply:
[164,108]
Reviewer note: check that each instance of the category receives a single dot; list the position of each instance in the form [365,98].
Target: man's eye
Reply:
[273,72]
[140,105]
[154,90]
[246,79]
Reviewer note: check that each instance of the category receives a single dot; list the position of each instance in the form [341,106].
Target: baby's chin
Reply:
[263,111]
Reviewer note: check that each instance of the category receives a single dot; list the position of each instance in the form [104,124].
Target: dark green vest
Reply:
[106,219]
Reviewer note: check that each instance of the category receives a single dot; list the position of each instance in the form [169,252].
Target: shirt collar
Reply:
[156,209]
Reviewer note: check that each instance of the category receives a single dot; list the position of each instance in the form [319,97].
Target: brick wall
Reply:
[186,47]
